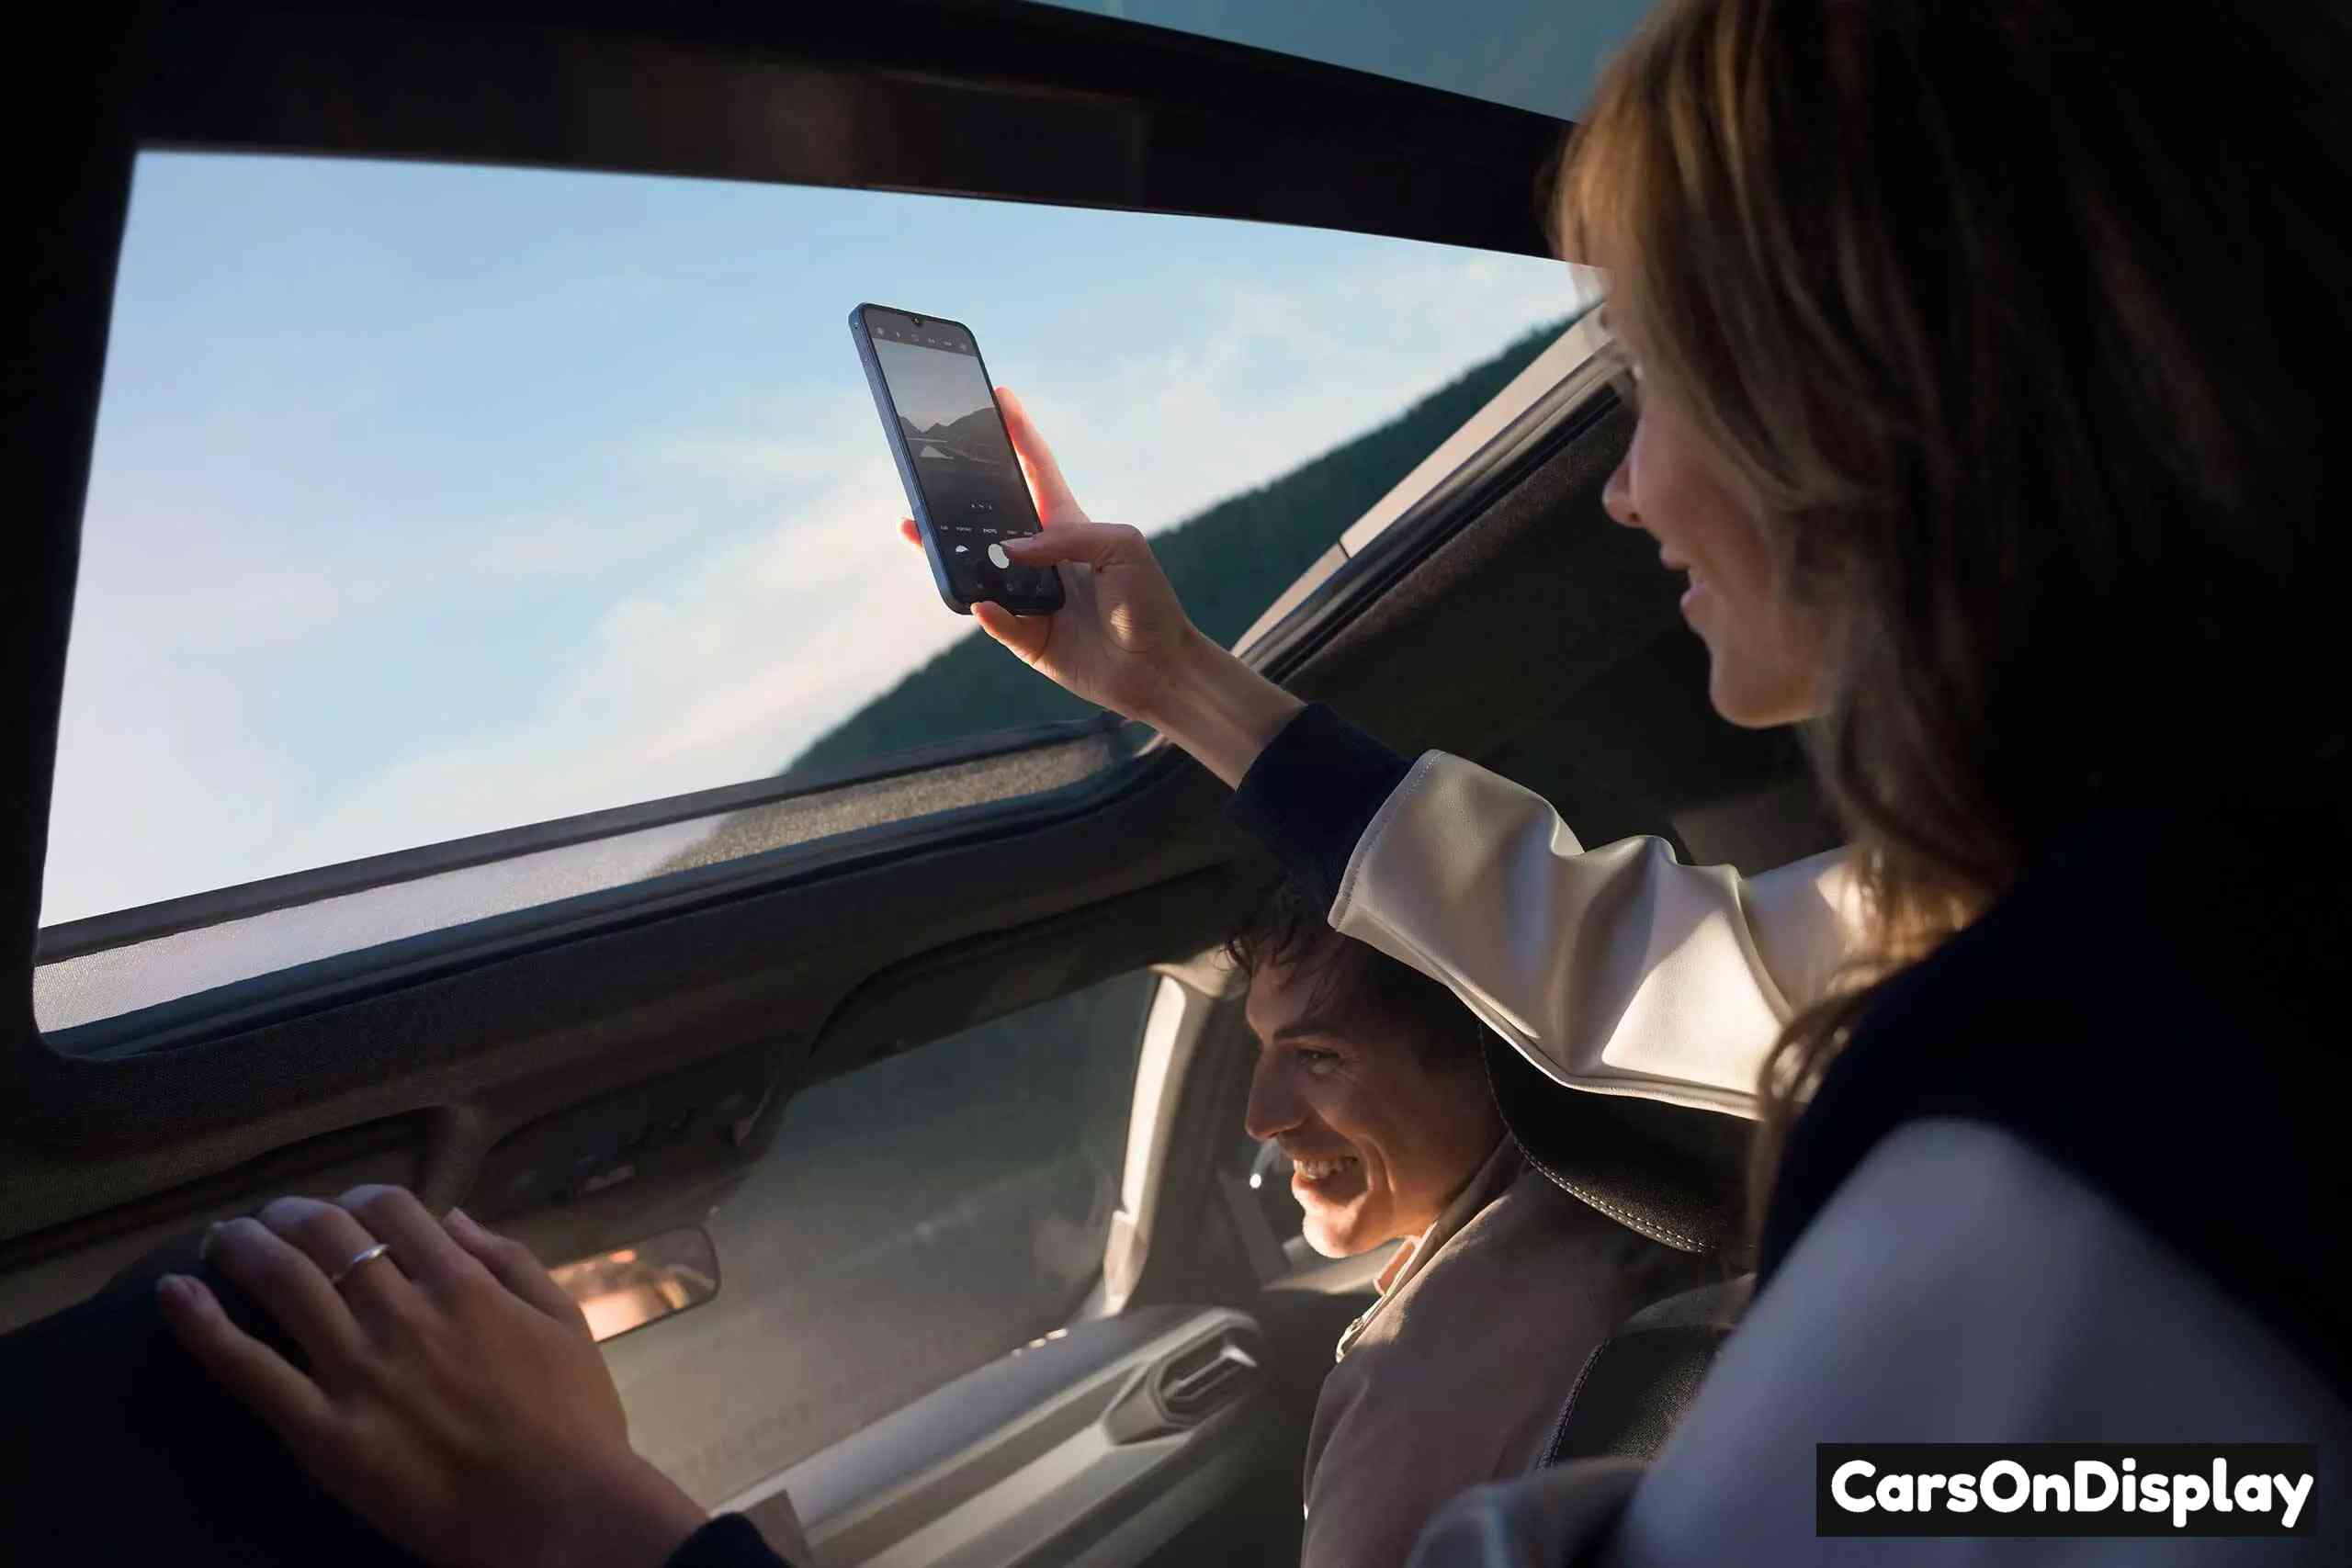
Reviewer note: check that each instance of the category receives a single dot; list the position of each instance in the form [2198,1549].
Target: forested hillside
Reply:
[1228,564]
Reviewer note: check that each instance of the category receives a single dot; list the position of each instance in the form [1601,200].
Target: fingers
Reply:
[426,1251]
[1098,544]
[511,1265]
[1056,506]
[1071,541]
[331,1237]
[289,1287]
[256,1375]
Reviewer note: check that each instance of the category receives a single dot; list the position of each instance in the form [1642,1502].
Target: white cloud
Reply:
[1155,437]
[199,603]
[556,545]
[166,784]
[719,672]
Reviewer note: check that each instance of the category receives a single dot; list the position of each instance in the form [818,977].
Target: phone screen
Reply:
[973,492]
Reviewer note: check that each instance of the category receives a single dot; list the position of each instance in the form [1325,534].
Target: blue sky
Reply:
[431,500]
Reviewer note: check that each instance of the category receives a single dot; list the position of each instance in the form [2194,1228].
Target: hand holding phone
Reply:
[1124,641]
[962,482]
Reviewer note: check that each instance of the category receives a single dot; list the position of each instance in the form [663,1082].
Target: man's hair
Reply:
[1288,931]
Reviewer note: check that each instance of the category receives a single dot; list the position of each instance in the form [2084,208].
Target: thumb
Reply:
[1098,544]
[1025,638]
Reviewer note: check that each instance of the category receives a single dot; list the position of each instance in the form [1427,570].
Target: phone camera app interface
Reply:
[971,482]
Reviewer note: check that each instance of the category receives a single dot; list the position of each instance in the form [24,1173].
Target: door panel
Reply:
[1104,1446]
[47,1272]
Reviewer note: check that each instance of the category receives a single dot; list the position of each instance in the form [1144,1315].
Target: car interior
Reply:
[885,1116]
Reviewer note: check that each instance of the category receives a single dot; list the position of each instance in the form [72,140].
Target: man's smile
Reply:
[1327,1180]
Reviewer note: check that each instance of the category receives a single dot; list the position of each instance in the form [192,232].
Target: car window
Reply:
[912,1220]
[1530,55]
[431,501]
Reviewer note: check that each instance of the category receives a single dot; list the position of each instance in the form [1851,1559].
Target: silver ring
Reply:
[340,1275]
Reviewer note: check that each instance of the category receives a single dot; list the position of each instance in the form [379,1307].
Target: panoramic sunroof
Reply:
[429,501]
[1530,55]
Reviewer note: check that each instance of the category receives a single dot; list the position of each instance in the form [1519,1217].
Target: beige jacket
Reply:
[1441,1385]
[1616,970]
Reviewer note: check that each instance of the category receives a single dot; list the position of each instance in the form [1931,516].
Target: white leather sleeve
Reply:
[1617,970]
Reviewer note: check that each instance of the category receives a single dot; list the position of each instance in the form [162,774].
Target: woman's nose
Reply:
[1273,1108]
[1617,495]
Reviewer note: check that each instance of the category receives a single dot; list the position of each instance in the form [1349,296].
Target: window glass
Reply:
[430,501]
[912,1220]
[75,984]
[1530,55]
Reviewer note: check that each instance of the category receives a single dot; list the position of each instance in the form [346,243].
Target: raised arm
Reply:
[1616,969]
[1121,639]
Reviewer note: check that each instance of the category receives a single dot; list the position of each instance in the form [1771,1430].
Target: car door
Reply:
[953,1373]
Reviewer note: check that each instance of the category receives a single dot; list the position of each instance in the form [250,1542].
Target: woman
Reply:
[1976,349]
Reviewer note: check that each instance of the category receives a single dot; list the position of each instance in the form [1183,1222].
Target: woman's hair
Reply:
[2013,322]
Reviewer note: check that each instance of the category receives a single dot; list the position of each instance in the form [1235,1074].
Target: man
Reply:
[1369,1075]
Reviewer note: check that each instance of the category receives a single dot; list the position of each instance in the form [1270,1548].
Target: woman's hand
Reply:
[454,1399]
[1120,628]
[1121,639]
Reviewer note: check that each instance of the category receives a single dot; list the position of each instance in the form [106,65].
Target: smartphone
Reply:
[962,482]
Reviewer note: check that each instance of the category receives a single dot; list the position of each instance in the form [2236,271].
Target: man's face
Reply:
[1379,1143]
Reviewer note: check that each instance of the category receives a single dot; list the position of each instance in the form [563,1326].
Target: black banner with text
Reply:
[2064,1489]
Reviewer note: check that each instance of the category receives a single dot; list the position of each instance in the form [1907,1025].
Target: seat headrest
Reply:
[1676,1175]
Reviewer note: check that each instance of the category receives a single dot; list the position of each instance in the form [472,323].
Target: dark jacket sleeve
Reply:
[1312,792]
[730,1541]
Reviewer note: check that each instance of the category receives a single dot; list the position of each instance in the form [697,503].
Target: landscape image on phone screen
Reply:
[971,482]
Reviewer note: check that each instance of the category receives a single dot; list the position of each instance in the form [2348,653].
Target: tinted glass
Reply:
[914,1220]
[430,501]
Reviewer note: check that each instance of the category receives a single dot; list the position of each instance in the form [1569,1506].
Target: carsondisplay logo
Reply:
[2047,1489]
[2005,1486]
